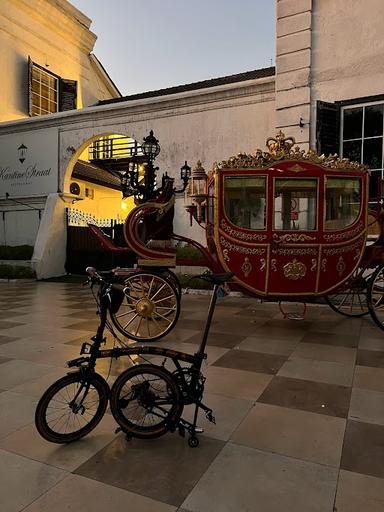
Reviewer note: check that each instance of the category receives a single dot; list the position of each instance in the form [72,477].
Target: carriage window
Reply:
[244,201]
[342,202]
[295,204]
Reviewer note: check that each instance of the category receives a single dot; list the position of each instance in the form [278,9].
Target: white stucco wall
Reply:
[347,50]
[56,36]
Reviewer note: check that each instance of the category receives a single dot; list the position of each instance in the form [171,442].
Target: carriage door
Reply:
[294,245]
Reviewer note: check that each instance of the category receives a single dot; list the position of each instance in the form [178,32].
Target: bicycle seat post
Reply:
[211,310]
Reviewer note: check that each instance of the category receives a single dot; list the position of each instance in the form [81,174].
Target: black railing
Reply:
[114,148]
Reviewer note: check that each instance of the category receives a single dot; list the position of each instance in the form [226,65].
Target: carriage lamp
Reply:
[197,191]
[150,146]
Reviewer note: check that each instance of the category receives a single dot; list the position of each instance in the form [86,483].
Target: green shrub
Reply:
[16,272]
[195,284]
[188,252]
[16,252]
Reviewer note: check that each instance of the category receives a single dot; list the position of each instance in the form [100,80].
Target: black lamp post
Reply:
[143,188]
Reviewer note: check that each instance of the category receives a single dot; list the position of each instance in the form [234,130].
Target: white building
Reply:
[326,91]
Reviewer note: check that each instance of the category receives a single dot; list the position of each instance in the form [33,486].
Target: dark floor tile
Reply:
[13,305]
[84,325]
[251,361]
[363,450]
[331,338]
[4,359]
[6,315]
[370,358]
[291,325]
[185,323]
[7,325]
[307,395]
[217,339]
[7,339]
[164,469]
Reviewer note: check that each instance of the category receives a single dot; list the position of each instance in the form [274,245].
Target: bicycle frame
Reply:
[95,353]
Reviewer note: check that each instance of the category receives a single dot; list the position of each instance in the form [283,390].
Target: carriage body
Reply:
[290,229]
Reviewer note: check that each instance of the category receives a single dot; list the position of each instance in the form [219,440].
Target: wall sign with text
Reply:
[28,163]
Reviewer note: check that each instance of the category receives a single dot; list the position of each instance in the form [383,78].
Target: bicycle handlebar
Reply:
[95,275]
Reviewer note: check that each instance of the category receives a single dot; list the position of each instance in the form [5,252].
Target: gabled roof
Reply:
[205,84]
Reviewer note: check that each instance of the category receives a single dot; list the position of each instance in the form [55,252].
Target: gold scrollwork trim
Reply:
[239,234]
[295,252]
[342,250]
[246,267]
[282,148]
[341,236]
[295,270]
[292,237]
[242,250]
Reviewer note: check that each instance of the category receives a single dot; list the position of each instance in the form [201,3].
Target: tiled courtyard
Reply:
[299,407]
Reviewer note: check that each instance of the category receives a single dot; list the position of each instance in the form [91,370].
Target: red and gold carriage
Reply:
[290,224]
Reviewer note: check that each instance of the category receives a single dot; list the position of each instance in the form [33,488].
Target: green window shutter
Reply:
[67,95]
[327,128]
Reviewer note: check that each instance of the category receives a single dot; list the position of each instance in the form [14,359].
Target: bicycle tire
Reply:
[150,309]
[155,397]
[60,392]
[376,297]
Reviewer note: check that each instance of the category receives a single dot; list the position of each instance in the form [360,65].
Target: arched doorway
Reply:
[93,184]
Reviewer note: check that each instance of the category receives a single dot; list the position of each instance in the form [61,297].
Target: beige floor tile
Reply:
[299,434]
[235,383]
[76,493]
[372,343]
[282,347]
[242,478]
[318,371]
[369,377]
[359,493]
[16,411]
[36,387]
[228,412]
[29,443]
[367,405]
[23,480]
[17,372]
[325,353]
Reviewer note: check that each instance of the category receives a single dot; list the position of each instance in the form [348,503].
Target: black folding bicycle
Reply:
[146,400]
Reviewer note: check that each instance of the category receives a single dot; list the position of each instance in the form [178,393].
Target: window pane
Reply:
[373,122]
[44,92]
[373,149]
[352,150]
[342,202]
[353,123]
[244,201]
[295,204]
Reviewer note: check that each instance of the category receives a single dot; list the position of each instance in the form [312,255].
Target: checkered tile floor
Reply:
[299,408]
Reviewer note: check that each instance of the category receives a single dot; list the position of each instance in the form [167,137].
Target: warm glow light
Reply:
[124,205]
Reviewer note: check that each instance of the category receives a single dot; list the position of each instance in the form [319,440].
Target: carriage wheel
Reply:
[173,279]
[376,297]
[150,308]
[351,300]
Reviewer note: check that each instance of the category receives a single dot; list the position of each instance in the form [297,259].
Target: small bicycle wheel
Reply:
[376,297]
[146,401]
[150,308]
[351,299]
[71,407]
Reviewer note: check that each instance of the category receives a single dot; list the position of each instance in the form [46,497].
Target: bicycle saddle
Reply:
[217,278]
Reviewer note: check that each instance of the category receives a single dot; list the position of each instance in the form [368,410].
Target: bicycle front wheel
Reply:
[146,401]
[71,407]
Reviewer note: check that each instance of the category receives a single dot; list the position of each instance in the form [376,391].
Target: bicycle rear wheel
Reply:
[146,401]
[71,407]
